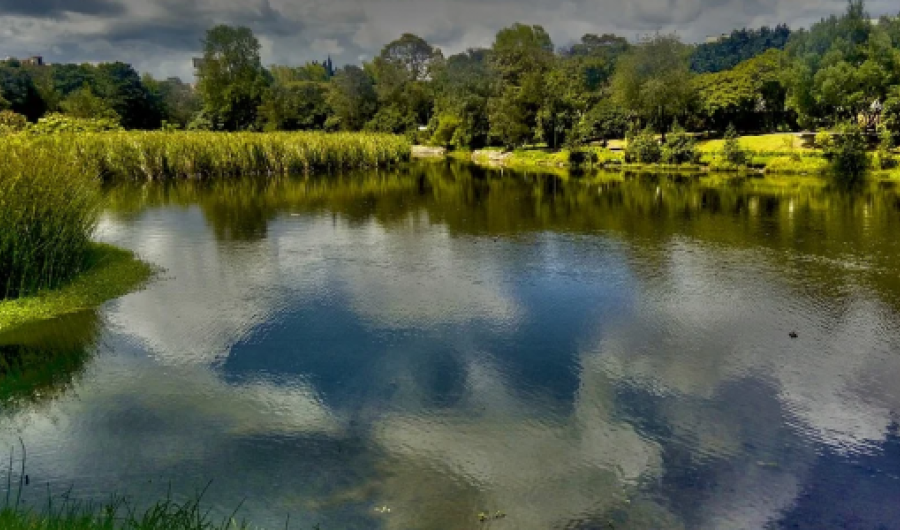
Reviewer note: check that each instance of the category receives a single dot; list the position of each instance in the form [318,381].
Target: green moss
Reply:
[110,272]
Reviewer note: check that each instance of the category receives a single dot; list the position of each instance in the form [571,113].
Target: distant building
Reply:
[712,39]
[35,60]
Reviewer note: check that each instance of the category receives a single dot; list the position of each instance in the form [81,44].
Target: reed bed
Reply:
[49,206]
[198,155]
[49,184]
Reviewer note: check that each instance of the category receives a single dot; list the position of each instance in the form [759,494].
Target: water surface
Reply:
[599,352]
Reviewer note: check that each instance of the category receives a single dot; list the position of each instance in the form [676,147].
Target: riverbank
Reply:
[109,273]
[774,154]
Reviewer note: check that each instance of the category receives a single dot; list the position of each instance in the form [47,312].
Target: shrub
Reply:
[732,151]
[445,132]
[847,155]
[824,140]
[885,155]
[60,123]
[643,148]
[583,156]
[680,147]
[12,122]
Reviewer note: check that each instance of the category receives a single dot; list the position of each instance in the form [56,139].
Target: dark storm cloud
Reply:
[162,35]
[56,8]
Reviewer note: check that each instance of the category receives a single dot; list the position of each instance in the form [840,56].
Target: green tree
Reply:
[840,68]
[847,154]
[19,91]
[121,87]
[176,101]
[521,56]
[750,96]
[403,74]
[232,78]
[297,105]
[83,103]
[654,81]
[464,84]
[741,45]
[352,99]
[732,151]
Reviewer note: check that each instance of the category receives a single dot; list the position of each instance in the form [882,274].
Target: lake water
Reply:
[606,351]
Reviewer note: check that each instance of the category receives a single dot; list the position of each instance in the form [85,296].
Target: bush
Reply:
[680,148]
[583,157]
[11,122]
[60,123]
[847,155]
[732,151]
[824,140]
[446,131]
[885,156]
[643,148]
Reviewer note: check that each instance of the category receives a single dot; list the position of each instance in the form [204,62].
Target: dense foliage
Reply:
[742,44]
[520,91]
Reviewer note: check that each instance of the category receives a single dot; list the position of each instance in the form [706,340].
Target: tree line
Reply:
[521,90]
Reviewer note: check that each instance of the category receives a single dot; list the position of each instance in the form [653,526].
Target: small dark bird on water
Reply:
[793,335]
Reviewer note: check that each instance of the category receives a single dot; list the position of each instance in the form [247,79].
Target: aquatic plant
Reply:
[49,206]
[49,183]
[162,155]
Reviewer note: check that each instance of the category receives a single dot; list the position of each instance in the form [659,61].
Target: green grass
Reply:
[766,143]
[158,155]
[117,514]
[109,272]
[49,205]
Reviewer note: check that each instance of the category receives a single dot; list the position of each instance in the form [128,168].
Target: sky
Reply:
[161,36]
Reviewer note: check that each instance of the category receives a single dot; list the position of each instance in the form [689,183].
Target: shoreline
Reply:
[780,164]
[112,272]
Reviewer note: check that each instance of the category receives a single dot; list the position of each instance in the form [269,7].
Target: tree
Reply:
[298,105]
[403,74]
[847,154]
[654,82]
[840,68]
[463,85]
[83,103]
[177,101]
[19,92]
[232,78]
[121,87]
[749,96]
[352,99]
[521,56]
[741,45]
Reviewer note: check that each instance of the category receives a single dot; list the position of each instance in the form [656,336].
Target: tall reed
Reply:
[49,206]
[49,184]
[198,155]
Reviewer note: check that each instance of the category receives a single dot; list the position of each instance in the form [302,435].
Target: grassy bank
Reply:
[777,154]
[175,155]
[106,272]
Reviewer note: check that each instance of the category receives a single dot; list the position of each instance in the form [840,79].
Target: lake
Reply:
[410,348]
